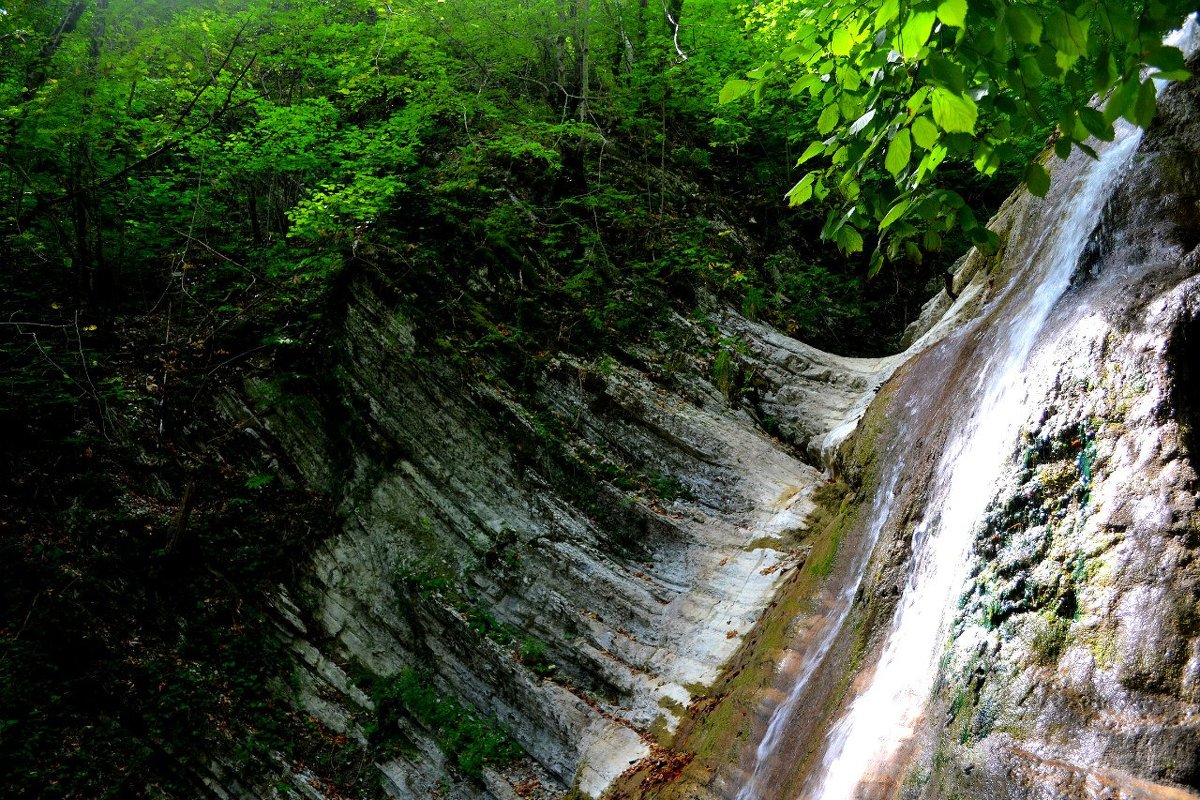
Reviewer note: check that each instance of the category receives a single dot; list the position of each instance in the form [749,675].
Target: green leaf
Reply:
[802,192]
[898,153]
[849,239]
[1116,19]
[946,73]
[732,90]
[915,33]
[953,12]
[987,159]
[966,218]
[954,113]
[888,11]
[1166,58]
[1121,101]
[797,50]
[1037,179]
[1024,25]
[812,150]
[1062,148]
[1068,35]
[930,162]
[1096,124]
[1172,75]
[841,42]
[828,119]
[1104,72]
[917,100]
[1143,111]
[924,132]
[875,265]
[810,83]
[894,213]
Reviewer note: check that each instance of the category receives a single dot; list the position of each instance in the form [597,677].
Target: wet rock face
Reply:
[1074,664]
[1184,356]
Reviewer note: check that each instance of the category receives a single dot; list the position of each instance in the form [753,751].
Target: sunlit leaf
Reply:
[898,153]
[827,120]
[894,213]
[924,132]
[915,33]
[812,150]
[841,43]
[954,113]
[849,239]
[732,90]
[953,12]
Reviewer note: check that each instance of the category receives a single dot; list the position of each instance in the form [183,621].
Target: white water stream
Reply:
[882,718]
[840,609]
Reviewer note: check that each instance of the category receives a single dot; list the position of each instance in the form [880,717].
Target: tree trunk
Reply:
[583,22]
[38,74]
[252,212]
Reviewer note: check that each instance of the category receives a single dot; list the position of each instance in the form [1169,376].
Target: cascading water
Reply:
[862,745]
[882,717]
[837,609]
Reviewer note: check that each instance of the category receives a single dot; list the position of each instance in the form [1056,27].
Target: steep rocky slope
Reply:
[577,562]
[1074,668]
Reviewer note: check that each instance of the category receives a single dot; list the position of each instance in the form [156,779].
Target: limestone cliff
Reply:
[577,560]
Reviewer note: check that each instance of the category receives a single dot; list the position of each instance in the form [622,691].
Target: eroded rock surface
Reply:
[577,561]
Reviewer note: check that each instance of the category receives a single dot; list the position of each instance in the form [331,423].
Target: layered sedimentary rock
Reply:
[577,560]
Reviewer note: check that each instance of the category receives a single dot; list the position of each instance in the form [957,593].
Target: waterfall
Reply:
[837,611]
[883,716]
[864,742]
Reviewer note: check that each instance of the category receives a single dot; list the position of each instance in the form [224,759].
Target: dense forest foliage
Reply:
[902,90]
[186,187]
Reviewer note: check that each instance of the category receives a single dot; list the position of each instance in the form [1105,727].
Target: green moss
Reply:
[725,373]
[470,742]
[1049,641]
[532,654]
[1102,644]
[660,731]
[824,553]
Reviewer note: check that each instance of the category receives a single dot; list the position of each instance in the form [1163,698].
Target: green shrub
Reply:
[469,742]
[533,655]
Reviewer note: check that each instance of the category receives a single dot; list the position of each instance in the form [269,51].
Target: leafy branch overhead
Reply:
[904,87]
